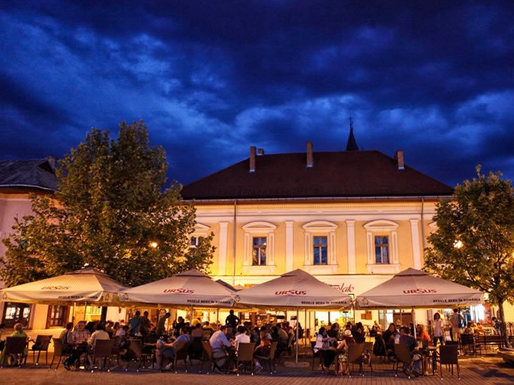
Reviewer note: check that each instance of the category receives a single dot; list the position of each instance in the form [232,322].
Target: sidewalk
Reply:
[474,371]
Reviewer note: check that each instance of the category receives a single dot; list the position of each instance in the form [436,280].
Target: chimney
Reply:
[310,161]
[399,160]
[52,162]
[252,159]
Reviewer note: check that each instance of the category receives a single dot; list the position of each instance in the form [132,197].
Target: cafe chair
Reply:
[40,345]
[355,357]
[316,356]
[15,350]
[449,356]
[209,358]
[102,350]
[403,356]
[180,355]
[58,352]
[269,360]
[245,357]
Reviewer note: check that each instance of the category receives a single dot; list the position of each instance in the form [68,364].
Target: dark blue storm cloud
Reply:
[210,78]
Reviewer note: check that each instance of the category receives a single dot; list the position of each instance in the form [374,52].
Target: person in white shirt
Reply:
[98,334]
[437,329]
[219,342]
[241,336]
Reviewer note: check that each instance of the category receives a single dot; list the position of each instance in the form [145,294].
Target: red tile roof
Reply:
[334,175]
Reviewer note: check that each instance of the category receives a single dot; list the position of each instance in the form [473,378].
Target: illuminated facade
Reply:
[351,218]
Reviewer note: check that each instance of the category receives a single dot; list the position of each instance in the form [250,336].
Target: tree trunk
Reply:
[503,325]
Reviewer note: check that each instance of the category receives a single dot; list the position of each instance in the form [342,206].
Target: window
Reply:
[381,249]
[320,247]
[57,316]
[259,251]
[16,312]
[259,241]
[382,246]
[195,241]
[319,250]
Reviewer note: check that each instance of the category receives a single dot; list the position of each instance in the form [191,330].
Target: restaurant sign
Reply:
[345,288]
[178,291]
[291,292]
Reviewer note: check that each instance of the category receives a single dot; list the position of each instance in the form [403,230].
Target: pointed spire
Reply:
[351,144]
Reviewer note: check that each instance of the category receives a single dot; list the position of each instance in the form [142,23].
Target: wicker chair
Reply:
[102,350]
[181,354]
[403,355]
[245,356]
[355,357]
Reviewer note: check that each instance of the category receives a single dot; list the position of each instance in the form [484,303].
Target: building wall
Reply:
[289,228]
[12,206]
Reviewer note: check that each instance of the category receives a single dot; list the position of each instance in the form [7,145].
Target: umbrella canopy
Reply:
[81,286]
[415,288]
[190,288]
[296,289]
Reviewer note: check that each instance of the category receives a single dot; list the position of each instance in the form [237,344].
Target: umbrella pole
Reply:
[414,321]
[297,324]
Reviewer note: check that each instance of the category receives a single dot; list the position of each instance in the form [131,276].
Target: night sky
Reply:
[211,78]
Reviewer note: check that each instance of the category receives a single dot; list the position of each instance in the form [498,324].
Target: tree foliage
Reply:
[111,207]
[474,241]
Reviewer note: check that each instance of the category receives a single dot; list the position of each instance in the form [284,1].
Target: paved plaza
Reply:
[487,370]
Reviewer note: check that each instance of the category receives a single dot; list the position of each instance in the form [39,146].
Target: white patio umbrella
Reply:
[86,285]
[191,288]
[417,289]
[296,289]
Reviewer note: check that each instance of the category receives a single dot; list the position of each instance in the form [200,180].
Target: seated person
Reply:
[410,341]
[241,336]
[66,337]
[222,351]
[342,350]
[98,334]
[165,350]
[79,338]
[195,347]
[422,335]
[262,351]
[18,332]
[389,337]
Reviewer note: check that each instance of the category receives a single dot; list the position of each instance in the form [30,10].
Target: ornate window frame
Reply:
[262,229]
[388,228]
[201,230]
[320,228]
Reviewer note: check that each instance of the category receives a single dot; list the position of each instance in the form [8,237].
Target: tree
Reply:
[474,241]
[111,211]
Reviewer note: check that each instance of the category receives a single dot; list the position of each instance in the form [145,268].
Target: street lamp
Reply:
[153,245]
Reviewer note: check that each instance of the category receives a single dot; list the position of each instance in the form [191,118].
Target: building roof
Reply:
[333,175]
[32,174]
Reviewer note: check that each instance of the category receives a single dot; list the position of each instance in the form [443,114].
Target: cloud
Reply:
[212,78]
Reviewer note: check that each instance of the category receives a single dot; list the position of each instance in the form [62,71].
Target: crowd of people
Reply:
[224,341]
[164,339]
